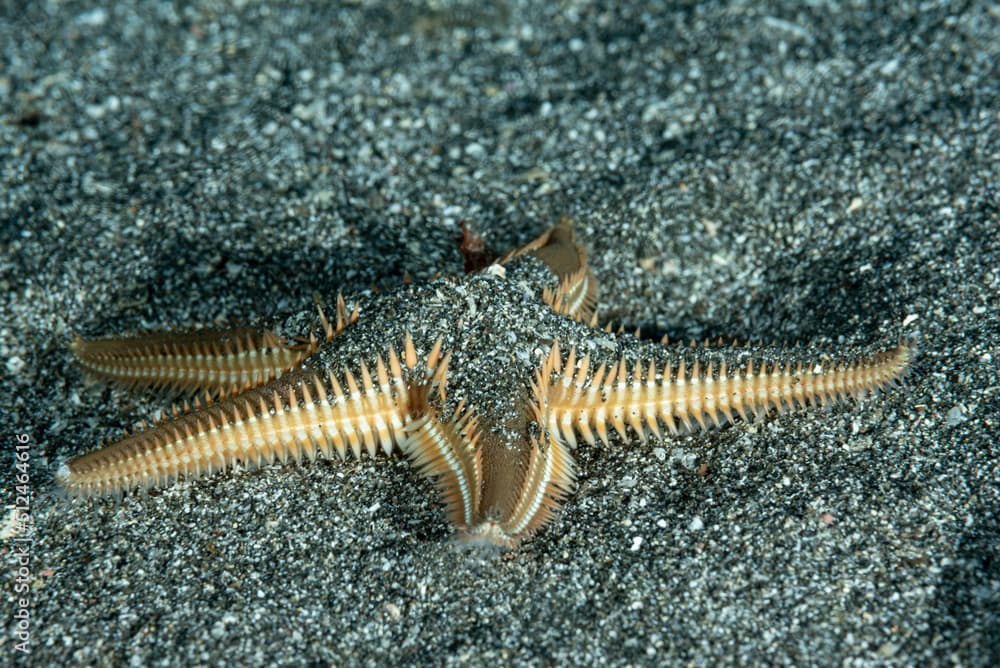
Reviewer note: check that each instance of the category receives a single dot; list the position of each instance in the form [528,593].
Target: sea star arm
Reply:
[211,361]
[492,492]
[643,395]
[575,292]
[549,476]
[522,489]
[447,451]
[204,361]
[301,415]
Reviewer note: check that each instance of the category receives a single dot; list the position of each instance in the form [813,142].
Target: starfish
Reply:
[483,390]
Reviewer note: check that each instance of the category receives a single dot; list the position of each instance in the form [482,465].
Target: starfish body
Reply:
[486,393]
